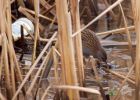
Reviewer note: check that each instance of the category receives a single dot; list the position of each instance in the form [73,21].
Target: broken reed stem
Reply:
[66,48]
[12,72]
[36,37]
[34,65]
[46,59]
[10,43]
[120,76]
[9,32]
[6,68]
[128,33]
[17,66]
[89,90]
[132,77]
[4,48]
[98,17]
[11,48]
[49,9]
[29,16]
[124,81]
[40,15]
[136,11]
[116,31]
[77,39]
[55,64]
[13,55]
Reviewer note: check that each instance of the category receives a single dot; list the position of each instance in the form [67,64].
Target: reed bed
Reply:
[58,71]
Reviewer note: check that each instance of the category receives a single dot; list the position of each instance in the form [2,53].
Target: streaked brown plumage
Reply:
[92,46]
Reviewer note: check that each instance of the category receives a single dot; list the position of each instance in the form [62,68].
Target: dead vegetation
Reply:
[41,50]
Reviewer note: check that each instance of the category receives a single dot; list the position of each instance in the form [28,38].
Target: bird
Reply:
[91,46]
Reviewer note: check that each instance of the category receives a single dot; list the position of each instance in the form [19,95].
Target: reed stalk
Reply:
[136,11]
[69,73]
[77,39]
[36,36]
